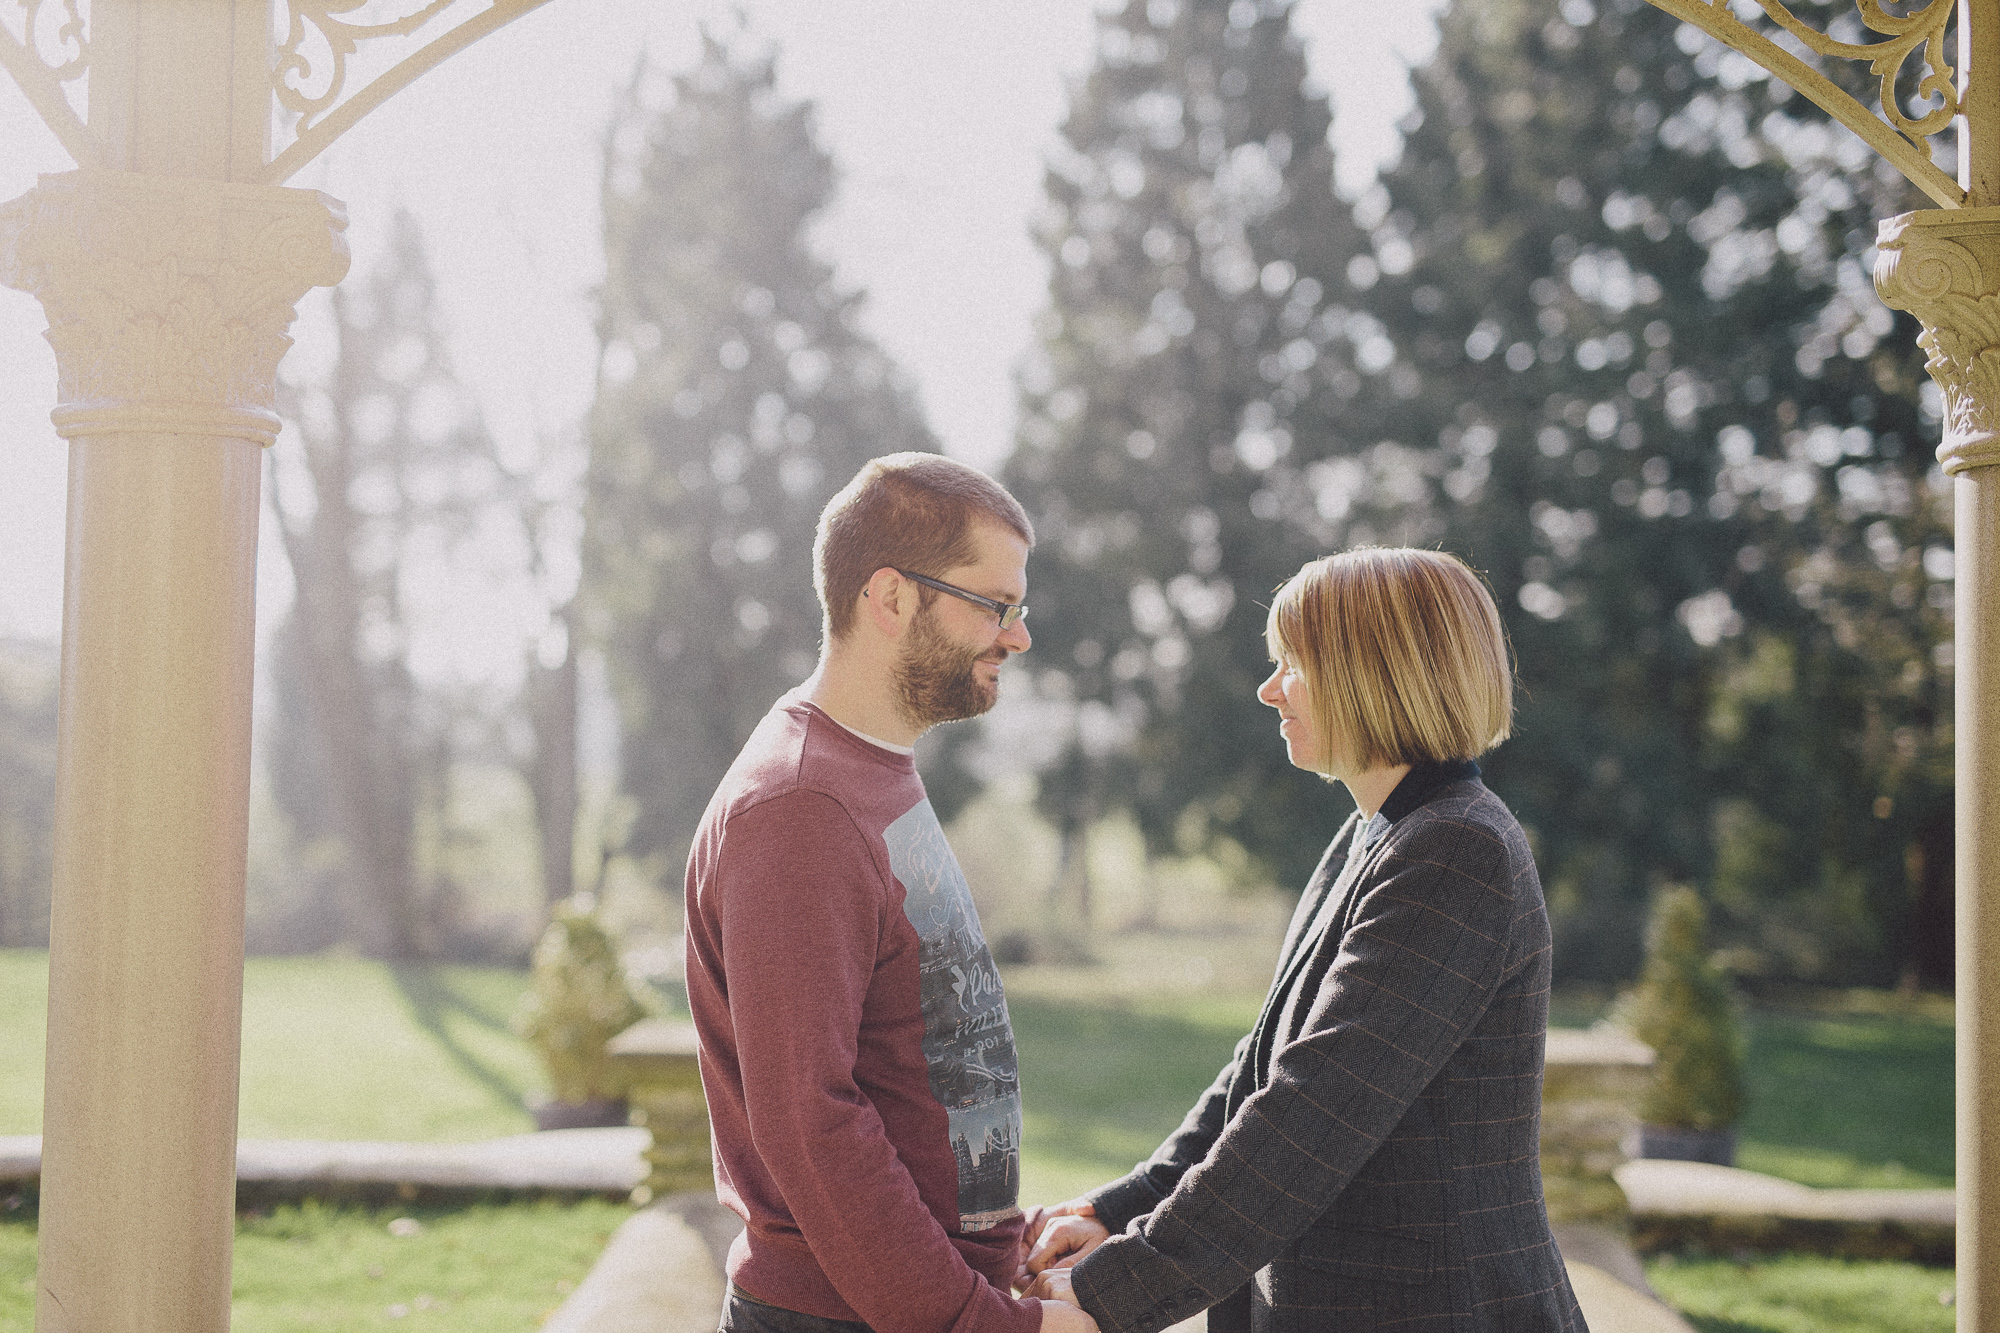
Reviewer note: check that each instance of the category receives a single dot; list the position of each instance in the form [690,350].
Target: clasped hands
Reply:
[1055,1238]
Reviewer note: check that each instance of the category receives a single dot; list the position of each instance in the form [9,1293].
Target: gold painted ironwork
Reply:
[1902,138]
[42,79]
[323,115]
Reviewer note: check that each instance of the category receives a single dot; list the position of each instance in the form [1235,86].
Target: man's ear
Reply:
[888,602]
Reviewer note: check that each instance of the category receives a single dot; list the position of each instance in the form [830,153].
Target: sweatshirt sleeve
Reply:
[805,912]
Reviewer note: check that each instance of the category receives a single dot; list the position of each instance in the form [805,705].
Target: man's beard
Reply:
[937,680]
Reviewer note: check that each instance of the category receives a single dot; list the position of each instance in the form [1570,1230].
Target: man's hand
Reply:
[1066,1316]
[1062,1242]
[1038,1218]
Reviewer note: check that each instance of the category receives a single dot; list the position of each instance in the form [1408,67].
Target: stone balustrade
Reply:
[1590,1106]
[653,1063]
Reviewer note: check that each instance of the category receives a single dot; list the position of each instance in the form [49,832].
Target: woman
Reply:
[1369,1157]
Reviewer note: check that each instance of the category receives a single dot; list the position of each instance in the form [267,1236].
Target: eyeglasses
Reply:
[1010,613]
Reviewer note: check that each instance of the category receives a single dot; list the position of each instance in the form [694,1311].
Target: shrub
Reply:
[579,999]
[1683,1009]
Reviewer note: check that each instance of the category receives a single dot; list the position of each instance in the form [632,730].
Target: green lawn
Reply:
[1850,1101]
[333,1048]
[1804,1294]
[1103,1082]
[24,1021]
[1851,1093]
[457,1270]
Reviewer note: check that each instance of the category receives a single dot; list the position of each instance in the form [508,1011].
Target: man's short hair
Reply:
[1402,652]
[910,511]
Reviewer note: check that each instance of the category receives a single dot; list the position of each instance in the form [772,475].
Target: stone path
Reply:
[1680,1205]
[1674,1188]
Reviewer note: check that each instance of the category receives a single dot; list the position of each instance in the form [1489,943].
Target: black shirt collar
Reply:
[1423,779]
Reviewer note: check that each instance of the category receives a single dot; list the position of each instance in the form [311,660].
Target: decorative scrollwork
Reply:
[42,78]
[54,49]
[1906,33]
[341,39]
[1906,145]
[323,114]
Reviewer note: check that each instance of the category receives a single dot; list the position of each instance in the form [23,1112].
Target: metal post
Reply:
[1943,265]
[1976,616]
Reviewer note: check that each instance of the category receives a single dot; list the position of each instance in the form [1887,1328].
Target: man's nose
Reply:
[1015,638]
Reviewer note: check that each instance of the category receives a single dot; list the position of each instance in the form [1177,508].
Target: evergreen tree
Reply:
[1665,411]
[395,466]
[1185,444]
[1682,1008]
[735,396]
[549,696]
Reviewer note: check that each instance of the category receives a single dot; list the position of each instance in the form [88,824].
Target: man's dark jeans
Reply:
[741,1314]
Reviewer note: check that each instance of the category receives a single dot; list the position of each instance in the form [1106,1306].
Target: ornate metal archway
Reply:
[169,264]
[1943,266]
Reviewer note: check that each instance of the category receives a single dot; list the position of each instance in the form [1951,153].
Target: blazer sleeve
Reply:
[1411,975]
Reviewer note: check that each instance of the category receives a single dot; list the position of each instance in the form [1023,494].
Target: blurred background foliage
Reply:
[1606,329]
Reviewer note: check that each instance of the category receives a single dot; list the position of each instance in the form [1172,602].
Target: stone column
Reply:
[168,302]
[1943,266]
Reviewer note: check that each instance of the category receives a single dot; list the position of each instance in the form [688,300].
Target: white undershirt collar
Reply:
[872,740]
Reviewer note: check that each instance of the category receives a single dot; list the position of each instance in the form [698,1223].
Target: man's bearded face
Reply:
[937,680]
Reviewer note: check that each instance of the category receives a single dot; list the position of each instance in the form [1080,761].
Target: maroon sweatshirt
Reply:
[855,1045]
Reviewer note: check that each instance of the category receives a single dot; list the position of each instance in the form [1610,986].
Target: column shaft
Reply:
[1943,266]
[168,302]
[146,933]
[1976,732]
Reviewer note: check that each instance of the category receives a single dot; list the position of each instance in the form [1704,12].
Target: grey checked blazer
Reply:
[1368,1159]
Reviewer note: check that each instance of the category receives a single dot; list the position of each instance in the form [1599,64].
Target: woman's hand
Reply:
[1038,1218]
[1063,1240]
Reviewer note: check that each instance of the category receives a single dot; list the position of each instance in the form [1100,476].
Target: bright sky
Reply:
[938,113]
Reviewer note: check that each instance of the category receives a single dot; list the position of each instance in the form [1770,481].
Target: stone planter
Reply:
[657,1062]
[1674,1144]
[597,1113]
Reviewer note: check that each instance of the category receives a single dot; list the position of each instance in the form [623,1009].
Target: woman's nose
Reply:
[1268,692]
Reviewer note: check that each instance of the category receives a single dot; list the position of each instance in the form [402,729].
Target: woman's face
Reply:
[1285,690]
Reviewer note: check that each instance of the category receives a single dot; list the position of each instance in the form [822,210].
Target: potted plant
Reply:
[578,999]
[1683,1009]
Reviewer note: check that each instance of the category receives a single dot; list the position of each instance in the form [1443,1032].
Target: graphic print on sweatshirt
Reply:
[968,1040]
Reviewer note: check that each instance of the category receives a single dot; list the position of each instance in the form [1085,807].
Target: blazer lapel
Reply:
[1317,888]
[1332,905]
[1324,902]
[1327,887]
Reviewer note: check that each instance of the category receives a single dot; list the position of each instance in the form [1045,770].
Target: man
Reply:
[855,1045]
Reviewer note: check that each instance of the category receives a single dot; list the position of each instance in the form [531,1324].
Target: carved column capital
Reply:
[1943,266]
[169,299]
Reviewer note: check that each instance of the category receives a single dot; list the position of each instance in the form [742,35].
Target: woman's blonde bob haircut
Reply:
[1402,653]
